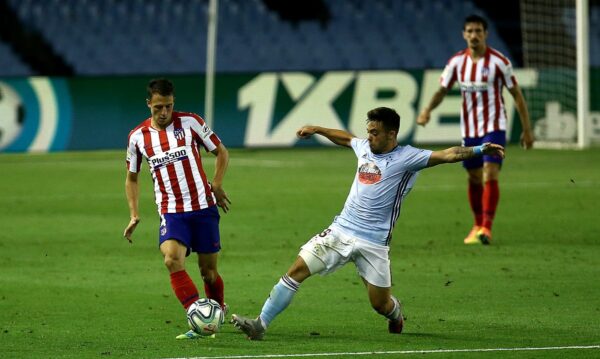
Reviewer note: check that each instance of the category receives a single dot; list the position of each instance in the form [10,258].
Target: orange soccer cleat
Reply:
[472,236]
[484,235]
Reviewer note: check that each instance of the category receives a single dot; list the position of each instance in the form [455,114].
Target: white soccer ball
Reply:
[11,115]
[205,316]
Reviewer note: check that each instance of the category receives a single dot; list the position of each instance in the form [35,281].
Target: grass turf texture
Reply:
[72,287]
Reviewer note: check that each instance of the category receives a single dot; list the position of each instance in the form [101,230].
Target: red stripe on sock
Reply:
[215,290]
[476,201]
[184,288]
[491,196]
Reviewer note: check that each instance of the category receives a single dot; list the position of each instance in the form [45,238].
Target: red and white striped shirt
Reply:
[481,85]
[173,155]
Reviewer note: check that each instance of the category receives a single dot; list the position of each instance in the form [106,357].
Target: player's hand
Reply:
[306,131]
[423,118]
[492,149]
[130,228]
[527,139]
[222,199]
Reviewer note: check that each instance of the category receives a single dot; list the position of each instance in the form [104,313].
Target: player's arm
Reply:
[527,134]
[437,98]
[132,193]
[339,137]
[459,153]
[221,163]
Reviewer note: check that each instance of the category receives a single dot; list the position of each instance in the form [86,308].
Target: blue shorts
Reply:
[497,137]
[197,230]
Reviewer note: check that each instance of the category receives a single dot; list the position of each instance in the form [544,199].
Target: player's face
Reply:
[380,140]
[161,108]
[475,35]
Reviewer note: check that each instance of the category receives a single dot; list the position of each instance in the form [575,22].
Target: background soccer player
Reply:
[386,172]
[482,72]
[189,220]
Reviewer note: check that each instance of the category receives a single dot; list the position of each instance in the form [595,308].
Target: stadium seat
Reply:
[10,64]
[380,34]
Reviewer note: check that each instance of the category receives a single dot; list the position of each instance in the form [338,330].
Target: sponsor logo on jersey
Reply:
[369,173]
[473,86]
[171,156]
[206,132]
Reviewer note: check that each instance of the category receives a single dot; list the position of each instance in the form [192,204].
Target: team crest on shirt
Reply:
[369,173]
[485,71]
[179,133]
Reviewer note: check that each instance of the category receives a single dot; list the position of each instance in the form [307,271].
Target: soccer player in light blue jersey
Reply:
[361,233]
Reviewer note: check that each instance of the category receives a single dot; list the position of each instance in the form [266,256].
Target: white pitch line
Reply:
[432,351]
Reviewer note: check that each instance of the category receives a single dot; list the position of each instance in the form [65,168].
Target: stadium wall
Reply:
[40,114]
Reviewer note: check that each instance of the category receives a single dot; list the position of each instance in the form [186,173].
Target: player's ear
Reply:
[393,135]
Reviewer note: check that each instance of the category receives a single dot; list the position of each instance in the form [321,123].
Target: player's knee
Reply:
[173,263]
[491,176]
[475,178]
[491,171]
[306,265]
[208,275]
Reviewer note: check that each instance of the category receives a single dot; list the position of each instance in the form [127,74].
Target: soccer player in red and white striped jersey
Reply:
[481,73]
[170,143]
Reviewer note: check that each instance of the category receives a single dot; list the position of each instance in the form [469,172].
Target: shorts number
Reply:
[325,233]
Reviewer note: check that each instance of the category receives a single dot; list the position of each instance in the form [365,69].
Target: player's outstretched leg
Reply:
[253,328]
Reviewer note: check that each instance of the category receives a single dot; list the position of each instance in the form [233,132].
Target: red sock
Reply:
[215,291]
[491,195]
[184,288]
[476,201]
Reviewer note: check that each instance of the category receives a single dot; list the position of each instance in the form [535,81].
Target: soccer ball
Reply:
[11,115]
[205,316]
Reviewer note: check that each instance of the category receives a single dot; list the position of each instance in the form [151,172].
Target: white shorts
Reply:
[332,249]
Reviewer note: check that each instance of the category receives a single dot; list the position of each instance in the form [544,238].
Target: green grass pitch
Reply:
[72,287]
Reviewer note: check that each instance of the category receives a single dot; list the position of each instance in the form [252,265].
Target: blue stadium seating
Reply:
[100,37]
[10,64]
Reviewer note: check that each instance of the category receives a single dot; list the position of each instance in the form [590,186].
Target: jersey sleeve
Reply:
[358,145]
[204,135]
[449,75]
[416,158]
[508,76]
[134,156]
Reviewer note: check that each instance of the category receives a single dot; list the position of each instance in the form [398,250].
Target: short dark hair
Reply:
[477,19]
[160,86]
[387,116]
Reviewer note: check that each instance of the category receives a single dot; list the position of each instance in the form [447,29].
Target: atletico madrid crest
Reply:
[179,133]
